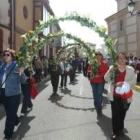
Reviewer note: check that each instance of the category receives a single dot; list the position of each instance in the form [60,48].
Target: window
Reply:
[121,25]
[45,19]
[25,12]
[1,39]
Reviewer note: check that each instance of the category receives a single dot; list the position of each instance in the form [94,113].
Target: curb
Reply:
[137,87]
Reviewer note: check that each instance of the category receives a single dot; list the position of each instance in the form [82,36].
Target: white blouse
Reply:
[4,78]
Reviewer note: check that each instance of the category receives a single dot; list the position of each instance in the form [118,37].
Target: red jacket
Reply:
[101,72]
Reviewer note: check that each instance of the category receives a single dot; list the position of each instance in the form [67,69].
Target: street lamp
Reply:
[131,6]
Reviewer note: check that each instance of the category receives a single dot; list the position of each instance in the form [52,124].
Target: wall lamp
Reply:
[131,6]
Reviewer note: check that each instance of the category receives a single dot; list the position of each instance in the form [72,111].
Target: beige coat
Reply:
[130,78]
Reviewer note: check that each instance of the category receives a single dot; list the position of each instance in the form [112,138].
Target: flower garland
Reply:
[63,48]
[33,37]
[29,49]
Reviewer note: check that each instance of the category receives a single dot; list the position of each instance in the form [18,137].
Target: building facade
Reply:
[42,11]
[16,18]
[23,20]
[125,28]
[20,16]
[5,24]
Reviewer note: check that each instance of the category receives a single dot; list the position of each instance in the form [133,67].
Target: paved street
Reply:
[70,115]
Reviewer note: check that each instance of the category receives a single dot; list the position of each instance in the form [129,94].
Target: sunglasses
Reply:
[97,54]
[6,55]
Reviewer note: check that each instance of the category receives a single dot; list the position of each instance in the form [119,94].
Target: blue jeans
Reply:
[97,89]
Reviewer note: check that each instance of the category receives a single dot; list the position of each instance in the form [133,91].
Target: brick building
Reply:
[125,28]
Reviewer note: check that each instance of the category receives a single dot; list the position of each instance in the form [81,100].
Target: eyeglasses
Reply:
[6,55]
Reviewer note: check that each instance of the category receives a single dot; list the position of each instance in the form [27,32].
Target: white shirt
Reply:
[62,66]
[4,78]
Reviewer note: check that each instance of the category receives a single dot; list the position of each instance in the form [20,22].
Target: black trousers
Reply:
[11,105]
[73,73]
[26,98]
[138,77]
[55,80]
[38,75]
[63,80]
[84,71]
[119,109]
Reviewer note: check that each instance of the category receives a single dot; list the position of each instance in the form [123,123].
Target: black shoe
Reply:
[99,113]
[7,138]
[54,92]
[121,134]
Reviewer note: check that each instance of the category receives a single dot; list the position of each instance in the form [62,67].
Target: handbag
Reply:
[34,91]
[6,77]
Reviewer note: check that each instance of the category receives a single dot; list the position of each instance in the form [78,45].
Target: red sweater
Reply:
[101,72]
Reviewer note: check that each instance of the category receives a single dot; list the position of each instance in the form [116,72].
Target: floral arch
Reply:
[33,40]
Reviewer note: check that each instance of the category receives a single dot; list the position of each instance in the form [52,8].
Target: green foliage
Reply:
[33,41]
[62,49]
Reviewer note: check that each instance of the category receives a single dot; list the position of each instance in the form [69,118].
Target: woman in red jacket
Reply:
[97,82]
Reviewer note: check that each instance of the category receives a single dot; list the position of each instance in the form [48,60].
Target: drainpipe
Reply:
[12,24]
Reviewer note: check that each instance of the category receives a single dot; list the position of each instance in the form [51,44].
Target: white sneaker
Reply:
[22,114]
[16,127]
[29,108]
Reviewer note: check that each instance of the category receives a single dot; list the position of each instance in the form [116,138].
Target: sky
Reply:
[97,10]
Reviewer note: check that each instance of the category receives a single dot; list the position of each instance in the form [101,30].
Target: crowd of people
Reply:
[64,69]
[15,81]
[120,93]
